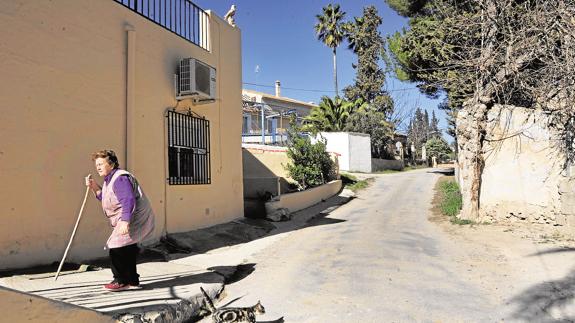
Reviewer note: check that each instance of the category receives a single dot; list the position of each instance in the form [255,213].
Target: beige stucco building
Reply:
[81,75]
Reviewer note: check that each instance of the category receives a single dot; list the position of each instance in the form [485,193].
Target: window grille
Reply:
[188,149]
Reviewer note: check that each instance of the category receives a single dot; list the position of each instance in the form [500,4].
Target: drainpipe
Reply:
[130,97]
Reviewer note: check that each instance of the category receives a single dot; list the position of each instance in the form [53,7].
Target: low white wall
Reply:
[354,150]
[304,199]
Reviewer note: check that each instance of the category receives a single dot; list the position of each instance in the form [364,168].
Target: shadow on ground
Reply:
[155,289]
[280,320]
[321,219]
[233,274]
[550,301]
[552,251]
[180,245]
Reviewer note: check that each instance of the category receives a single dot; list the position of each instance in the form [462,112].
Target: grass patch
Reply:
[359,185]
[353,183]
[450,201]
[456,220]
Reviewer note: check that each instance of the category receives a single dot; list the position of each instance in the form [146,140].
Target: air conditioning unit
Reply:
[196,80]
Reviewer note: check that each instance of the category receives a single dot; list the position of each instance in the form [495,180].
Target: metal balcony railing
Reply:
[182,17]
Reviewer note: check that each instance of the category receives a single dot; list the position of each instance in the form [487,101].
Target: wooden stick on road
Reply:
[73,232]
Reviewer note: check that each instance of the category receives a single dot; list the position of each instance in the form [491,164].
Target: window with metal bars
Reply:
[188,149]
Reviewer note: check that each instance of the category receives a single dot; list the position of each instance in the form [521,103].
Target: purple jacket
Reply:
[125,194]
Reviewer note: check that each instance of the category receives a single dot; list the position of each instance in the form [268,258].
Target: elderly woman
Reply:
[129,213]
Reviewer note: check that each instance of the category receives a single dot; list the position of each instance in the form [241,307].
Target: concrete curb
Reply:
[298,201]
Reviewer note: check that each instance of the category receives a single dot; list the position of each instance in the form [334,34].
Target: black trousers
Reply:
[123,263]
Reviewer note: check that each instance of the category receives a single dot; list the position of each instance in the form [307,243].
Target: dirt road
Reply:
[380,258]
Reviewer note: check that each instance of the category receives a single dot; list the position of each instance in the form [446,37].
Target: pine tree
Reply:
[426,130]
[367,43]
[434,126]
[418,131]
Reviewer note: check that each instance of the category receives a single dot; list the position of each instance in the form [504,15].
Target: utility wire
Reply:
[288,88]
[321,91]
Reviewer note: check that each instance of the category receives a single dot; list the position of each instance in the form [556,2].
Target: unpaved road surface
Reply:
[383,257]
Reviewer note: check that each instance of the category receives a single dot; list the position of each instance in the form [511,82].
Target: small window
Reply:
[188,149]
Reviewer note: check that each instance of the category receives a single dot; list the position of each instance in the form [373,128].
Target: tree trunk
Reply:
[478,109]
[335,71]
[478,163]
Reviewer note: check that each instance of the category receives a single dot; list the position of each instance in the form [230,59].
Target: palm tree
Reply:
[330,115]
[330,31]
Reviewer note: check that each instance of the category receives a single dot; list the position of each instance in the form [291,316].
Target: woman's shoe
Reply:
[116,287]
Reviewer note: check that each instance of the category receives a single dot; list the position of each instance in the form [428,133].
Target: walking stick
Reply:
[73,232]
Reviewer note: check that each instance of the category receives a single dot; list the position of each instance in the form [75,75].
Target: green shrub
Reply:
[310,164]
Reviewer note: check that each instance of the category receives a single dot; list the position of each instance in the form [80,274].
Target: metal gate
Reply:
[188,149]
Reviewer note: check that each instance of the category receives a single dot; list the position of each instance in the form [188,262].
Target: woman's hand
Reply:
[92,183]
[123,227]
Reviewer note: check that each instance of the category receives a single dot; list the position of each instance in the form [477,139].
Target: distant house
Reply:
[80,76]
[399,146]
[275,111]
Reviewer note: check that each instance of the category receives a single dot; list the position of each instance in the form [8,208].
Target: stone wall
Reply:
[378,165]
[525,178]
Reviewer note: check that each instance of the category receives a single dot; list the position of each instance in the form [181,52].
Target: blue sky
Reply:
[278,36]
